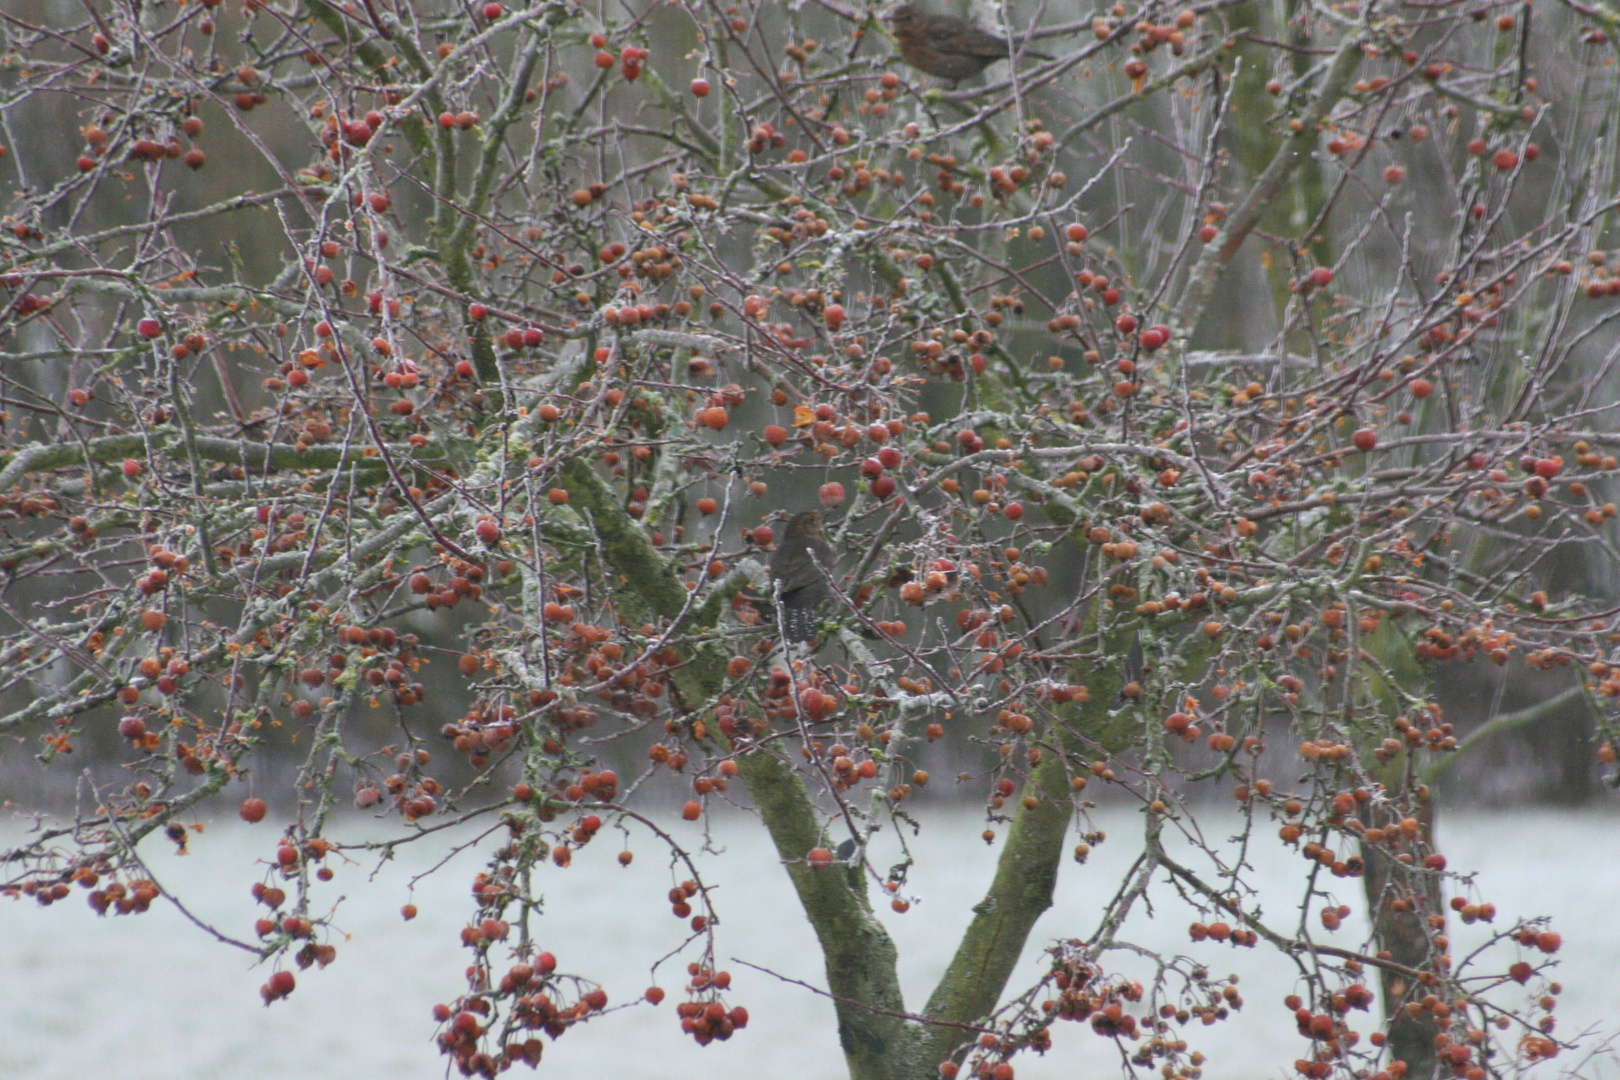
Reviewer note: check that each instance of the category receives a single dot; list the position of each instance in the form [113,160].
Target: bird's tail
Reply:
[799,623]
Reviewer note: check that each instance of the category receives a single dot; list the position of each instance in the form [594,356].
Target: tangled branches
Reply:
[410,391]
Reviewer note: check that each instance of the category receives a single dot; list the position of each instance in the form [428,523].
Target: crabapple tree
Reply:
[408,391]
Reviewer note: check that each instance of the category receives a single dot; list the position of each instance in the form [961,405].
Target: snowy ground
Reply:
[153,998]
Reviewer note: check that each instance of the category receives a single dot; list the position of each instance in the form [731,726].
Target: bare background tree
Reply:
[398,398]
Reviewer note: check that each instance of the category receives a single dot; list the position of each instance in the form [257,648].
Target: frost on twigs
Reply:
[399,420]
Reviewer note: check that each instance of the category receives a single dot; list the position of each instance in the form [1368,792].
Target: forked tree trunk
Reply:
[881,1040]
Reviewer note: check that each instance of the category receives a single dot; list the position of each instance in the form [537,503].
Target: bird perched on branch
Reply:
[800,584]
[947,46]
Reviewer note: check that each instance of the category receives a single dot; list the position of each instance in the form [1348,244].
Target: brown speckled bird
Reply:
[947,46]
[800,586]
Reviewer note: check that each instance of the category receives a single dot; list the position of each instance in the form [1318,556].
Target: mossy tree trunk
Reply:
[880,1039]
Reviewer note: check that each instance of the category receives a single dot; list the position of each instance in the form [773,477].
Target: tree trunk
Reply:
[1401,902]
[878,1039]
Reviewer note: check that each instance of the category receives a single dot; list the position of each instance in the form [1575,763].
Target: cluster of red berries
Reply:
[485,730]
[289,856]
[132,899]
[466,580]
[705,1016]
[680,905]
[1548,941]
[630,58]
[295,927]
[1327,1029]
[600,786]
[730,714]
[1086,992]
[817,697]
[530,986]
[1222,931]
[414,794]
[279,985]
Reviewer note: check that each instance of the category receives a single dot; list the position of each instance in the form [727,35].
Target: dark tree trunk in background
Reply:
[1401,903]
[1566,743]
